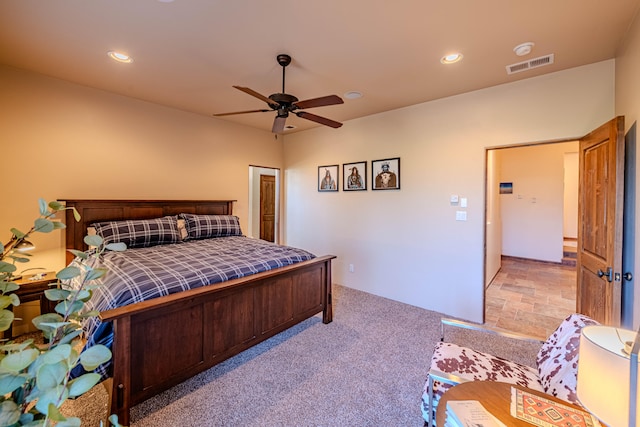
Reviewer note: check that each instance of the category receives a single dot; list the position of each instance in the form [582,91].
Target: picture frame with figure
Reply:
[354,176]
[385,174]
[328,178]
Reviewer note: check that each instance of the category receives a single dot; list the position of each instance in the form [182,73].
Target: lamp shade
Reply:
[604,374]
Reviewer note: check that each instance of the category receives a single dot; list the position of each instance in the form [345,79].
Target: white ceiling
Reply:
[188,53]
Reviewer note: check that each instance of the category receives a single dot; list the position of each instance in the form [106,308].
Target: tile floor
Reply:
[530,297]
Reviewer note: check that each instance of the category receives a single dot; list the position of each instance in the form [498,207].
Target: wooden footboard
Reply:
[162,342]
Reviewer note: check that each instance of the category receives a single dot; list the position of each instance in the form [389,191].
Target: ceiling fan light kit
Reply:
[284,103]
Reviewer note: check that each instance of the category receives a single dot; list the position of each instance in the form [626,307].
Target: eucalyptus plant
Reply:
[35,379]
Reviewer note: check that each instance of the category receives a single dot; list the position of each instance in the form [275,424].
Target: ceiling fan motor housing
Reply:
[284,99]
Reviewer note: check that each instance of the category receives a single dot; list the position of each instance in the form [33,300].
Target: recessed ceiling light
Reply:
[120,57]
[289,127]
[451,58]
[523,49]
[353,94]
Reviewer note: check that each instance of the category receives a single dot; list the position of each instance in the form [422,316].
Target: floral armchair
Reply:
[555,373]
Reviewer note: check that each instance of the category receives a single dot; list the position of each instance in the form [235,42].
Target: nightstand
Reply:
[32,289]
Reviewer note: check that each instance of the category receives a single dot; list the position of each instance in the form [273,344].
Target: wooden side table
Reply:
[33,290]
[495,397]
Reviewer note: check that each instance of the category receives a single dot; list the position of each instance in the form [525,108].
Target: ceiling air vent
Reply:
[530,64]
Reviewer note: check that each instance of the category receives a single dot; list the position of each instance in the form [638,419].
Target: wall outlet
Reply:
[351,269]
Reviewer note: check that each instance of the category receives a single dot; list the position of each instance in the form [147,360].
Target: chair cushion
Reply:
[557,359]
[473,365]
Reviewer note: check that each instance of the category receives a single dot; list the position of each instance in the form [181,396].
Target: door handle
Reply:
[609,274]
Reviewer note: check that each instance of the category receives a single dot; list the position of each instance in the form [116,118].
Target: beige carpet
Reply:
[366,368]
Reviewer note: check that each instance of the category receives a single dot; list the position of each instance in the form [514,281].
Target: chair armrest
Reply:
[474,326]
[434,374]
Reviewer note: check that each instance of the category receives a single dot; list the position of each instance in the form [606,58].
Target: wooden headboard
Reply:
[115,210]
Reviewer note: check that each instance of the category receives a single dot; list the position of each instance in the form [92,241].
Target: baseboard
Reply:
[539,261]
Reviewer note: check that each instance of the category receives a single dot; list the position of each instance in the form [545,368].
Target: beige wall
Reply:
[78,142]
[406,244]
[533,215]
[628,105]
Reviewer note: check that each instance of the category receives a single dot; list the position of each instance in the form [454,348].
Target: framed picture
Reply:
[328,178]
[385,174]
[354,176]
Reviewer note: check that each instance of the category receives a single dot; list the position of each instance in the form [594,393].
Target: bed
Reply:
[163,341]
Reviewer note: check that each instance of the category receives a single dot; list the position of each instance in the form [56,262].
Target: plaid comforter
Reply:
[140,274]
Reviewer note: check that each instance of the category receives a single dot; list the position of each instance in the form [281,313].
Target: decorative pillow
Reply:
[206,226]
[182,228]
[557,359]
[140,232]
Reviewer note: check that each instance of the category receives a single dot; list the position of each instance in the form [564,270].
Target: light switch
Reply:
[461,215]
[454,199]
[463,202]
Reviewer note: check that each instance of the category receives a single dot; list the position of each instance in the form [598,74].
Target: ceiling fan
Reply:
[284,103]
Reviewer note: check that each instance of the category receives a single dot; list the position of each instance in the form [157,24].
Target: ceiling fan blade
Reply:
[278,124]
[318,119]
[257,95]
[241,112]
[319,102]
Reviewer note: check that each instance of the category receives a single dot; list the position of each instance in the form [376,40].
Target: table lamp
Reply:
[608,374]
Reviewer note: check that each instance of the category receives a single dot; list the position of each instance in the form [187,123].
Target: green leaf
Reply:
[56,206]
[79,254]
[56,294]
[16,346]
[43,207]
[5,301]
[93,240]
[6,267]
[68,273]
[64,307]
[83,384]
[69,422]
[43,225]
[57,354]
[44,322]
[57,225]
[11,382]
[9,413]
[55,415]
[19,234]
[94,356]
[96,273]
[113,419]
[51,396]
[16,362]
[117,247]
[20,258]
[26,420]
[15,300]
[83,295]
[69,337]
[76,214]
[51,375]
[6,319]
[6,287]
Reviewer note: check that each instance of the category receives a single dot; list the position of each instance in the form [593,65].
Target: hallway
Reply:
[530,297]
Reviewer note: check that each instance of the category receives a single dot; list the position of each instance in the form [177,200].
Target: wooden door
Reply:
[267,207]
[600,207]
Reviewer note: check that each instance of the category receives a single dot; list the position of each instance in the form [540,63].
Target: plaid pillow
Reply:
[140,232]
[205,226]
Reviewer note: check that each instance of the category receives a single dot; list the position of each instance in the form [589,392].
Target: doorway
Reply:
[264,203]
[530,210]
